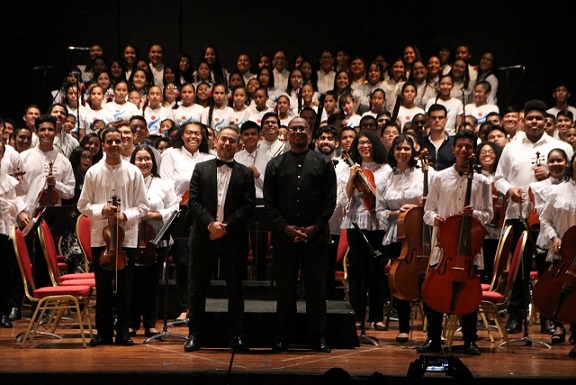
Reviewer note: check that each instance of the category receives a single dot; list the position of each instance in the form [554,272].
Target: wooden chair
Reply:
[341,276]
[50,254]
[493,302]
[83,235]
[50,300]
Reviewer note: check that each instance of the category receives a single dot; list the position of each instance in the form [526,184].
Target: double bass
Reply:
[453,287]
[113,257]
[407,272]
[555,292]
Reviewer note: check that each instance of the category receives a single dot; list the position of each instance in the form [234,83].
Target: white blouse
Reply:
[161,198]
[559,213]
[397,189]
[356,210]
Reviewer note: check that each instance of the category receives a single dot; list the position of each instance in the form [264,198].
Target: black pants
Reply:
[9,274]
[435,318]
[144,301]
[366,276]
[113,293]
[309,260]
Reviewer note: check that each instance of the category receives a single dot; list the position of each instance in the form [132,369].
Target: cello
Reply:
[554,294]
[407,272]
[453,287]
[113,257]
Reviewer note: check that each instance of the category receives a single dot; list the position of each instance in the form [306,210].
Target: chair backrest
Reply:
[23,258]
[83,235]
[342,245]
[49,251]
[515,264]
[502,257]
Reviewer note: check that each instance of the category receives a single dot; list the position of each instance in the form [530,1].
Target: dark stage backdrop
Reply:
[36,34]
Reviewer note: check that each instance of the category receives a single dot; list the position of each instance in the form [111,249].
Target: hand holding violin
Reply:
[515,193]
[113,215]
[540,173]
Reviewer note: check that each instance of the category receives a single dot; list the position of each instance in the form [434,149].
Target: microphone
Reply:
[514,67]
[43,67]
[73,48]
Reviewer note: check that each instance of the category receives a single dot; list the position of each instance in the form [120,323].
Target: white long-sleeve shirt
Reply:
[515,167]
[8,206]
[258,160]
[397,189]
[37,166]
[446,197]
[101,183]
[559,213]
[161,198]
[178,165]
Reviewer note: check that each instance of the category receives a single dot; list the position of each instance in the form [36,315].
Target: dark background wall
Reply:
[34,36]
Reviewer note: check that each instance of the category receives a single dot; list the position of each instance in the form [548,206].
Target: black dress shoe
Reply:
[150,333]
[124,341]
[100,341]
[471,348]
[15,314]
[321,346]
[5,321]
[280,346]
[514,325]
[430,346]
[238,344]
[547,326]
[192,344]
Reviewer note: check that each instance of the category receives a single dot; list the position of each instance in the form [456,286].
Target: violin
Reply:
[533,217]
[499,205]
[408,271]
[554,295]
[364,183]
[113,257]
[453,287]
[146,251]
[48,197]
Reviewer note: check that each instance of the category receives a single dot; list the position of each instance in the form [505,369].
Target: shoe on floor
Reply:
[379,325]
[514,325]
[559,335]
[547,326]
[471,348]
[430,346]
[15,314]
[402,337]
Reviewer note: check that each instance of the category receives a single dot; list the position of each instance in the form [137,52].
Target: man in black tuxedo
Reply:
[222,199]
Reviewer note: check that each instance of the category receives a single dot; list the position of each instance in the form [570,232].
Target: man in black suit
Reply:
[300,197]
[222,199]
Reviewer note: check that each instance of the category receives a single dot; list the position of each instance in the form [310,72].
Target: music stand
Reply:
[526,291]
[164,234]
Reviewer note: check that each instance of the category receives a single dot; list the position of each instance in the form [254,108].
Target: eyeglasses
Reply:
[86,157]
[297,128]
[364,143]
[486,152]
[143,159]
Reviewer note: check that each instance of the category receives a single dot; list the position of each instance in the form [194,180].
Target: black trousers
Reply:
[113,293]
[307,260]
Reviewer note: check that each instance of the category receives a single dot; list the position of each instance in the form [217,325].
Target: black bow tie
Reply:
[220,162]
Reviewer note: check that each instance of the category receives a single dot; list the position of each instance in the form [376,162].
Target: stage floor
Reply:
[165,362]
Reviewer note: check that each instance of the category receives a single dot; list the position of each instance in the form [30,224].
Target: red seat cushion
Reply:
[485,286]
[492,296]
[79,282]
[62,290]
[75,276]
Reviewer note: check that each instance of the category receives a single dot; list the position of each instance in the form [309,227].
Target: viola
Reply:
[146,251]
[48,197]
[533,217]
[554,294]
[364,183]
[407,272]
[113,257]
[453,287]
